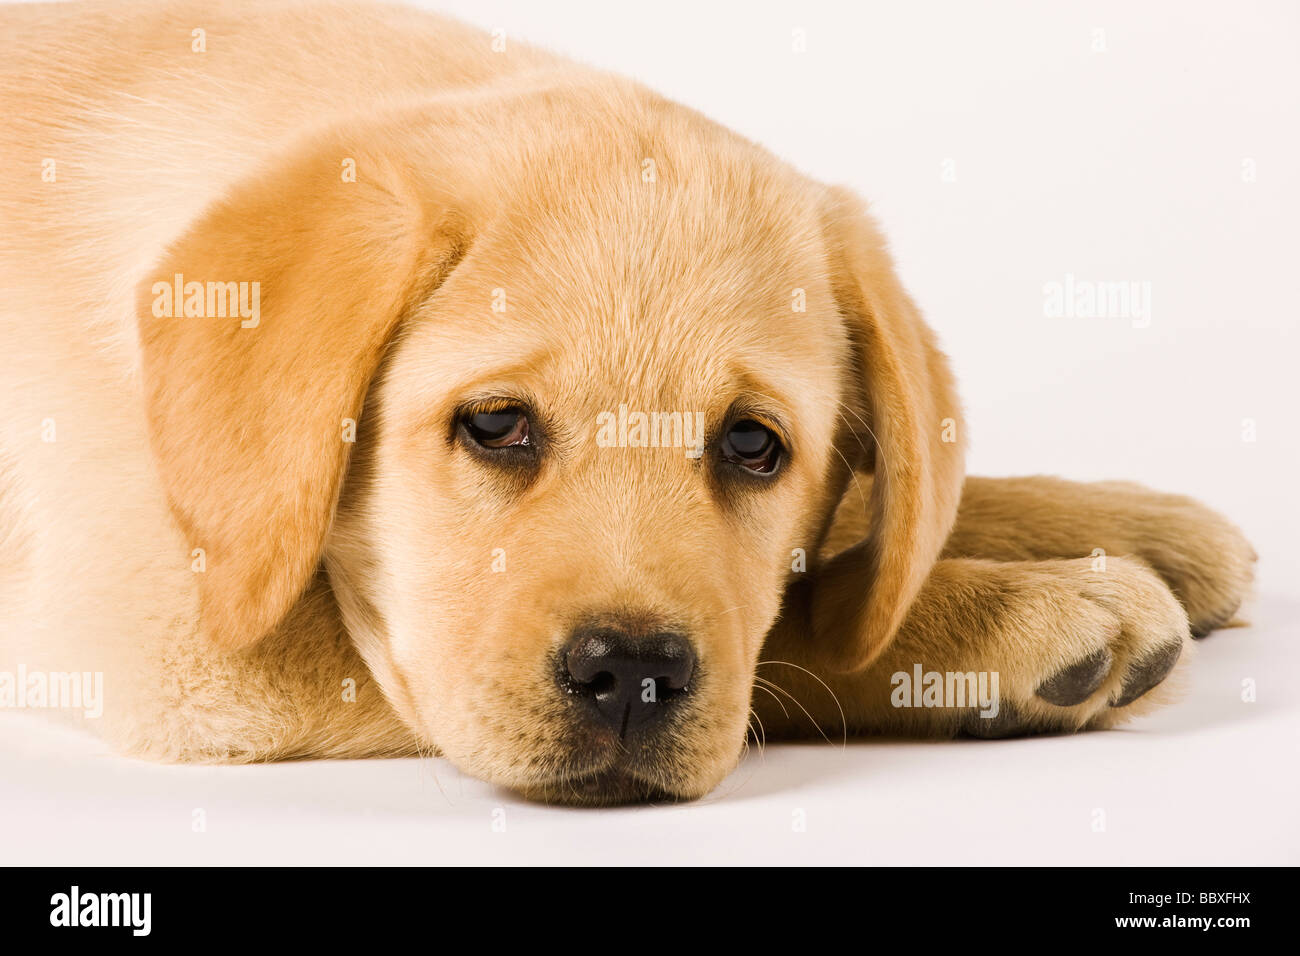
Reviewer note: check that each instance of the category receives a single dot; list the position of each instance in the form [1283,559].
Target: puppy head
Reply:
[560,423]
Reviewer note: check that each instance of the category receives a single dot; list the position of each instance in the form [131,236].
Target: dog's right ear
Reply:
[259,333]
[903,395]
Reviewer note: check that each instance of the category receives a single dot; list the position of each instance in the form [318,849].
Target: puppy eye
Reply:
[752,446]
[505,428]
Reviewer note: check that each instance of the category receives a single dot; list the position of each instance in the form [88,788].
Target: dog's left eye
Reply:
[753,446]
[498,429]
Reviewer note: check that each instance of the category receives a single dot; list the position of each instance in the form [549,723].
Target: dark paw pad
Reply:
[1078,682]
[1007,723]
[1147,672]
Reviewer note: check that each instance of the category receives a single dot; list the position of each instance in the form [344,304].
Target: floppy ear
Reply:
[247,398]
[901,387]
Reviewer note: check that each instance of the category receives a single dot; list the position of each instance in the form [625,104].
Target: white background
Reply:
[1125,164]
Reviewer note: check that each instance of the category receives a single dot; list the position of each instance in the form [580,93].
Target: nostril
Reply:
[588,661]
[630,679]
[676,658]
[600,685]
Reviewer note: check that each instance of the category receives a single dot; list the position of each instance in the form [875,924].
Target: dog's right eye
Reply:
[504,428]
[752,446]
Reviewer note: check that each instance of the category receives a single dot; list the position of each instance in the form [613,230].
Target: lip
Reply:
[601,769]
[613,786]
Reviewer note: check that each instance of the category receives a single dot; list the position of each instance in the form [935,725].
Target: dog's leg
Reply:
[302,692]
[1203,558]
[1065,592]
[1051,646]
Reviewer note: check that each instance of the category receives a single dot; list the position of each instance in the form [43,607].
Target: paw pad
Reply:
[1078,682]
[1147,673]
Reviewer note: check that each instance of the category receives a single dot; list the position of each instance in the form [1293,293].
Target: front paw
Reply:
[1115,633]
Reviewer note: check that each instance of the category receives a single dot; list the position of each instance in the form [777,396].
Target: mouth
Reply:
[601,761]
[615,786]
[594,756]
[596,776]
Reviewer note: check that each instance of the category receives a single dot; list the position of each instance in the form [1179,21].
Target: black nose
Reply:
[630,681]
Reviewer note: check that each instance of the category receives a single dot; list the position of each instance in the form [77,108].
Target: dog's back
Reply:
[118,128]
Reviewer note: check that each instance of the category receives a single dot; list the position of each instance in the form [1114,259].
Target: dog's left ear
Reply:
[259,333]
[908,421]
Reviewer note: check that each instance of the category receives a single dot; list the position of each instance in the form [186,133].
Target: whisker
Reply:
[844,722]
[796,702]
[429,761]
[758,685]
[762,746]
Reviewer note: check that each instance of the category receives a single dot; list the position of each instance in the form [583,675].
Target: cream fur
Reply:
[328,561]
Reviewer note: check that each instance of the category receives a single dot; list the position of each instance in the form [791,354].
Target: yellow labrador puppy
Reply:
[368,390]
